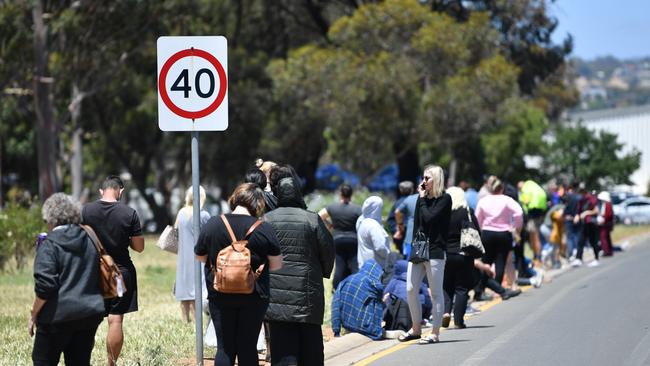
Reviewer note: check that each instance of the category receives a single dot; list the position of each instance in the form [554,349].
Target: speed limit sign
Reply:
[192,83]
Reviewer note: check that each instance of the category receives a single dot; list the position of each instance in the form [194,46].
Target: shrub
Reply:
[19,228]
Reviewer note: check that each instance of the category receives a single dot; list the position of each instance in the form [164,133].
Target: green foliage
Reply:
[519,134]
[595,158]
[19,228]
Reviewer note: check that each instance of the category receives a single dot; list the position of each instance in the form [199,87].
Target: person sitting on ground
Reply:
[371,237]
[357,304]
[295,314]
[343,216]
[396,298]
[68,305]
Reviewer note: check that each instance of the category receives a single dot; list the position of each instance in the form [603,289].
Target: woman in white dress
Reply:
[185,263]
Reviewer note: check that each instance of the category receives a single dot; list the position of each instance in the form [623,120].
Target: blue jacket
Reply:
[357,303]
[397,285]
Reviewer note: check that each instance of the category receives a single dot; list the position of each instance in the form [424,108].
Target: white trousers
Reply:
[434,269]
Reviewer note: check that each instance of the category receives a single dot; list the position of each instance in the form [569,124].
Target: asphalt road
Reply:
[587,316]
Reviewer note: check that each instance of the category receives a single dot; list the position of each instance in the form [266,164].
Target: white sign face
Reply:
[192,83]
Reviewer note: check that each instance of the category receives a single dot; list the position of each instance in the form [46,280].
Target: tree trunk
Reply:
[76,160]
[407,162]
[453,171]
[46,127]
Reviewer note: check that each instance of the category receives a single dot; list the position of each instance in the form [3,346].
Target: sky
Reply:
[619,28]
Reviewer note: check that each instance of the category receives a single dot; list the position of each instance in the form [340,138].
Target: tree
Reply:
[397,75]
[525,30]
[520,134]
[595,158]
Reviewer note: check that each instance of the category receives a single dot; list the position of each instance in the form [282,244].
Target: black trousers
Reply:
[237,329]
[589,232]
[497,247]
[346,259]
[75,339]
[296,344]
[458,280]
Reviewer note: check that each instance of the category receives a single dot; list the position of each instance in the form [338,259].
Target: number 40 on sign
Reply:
[192,83]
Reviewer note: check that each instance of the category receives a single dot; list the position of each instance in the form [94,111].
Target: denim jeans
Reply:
[572,236]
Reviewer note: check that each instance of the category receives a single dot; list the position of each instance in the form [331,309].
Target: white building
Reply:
[632,125]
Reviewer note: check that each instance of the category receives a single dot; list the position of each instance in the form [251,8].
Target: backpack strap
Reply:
[258,271]
[253,227]
[225,222]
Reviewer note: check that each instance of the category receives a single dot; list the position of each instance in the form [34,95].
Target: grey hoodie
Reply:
[66,275]
[371,237]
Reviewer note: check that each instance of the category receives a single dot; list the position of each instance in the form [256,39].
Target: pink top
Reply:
[498,212]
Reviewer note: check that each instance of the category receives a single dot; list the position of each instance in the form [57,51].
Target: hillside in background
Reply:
[608,82]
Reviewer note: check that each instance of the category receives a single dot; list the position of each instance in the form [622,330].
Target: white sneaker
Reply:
[593,263]
[576,263]
[539,279]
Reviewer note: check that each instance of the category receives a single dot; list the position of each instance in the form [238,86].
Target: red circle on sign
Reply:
[223,83]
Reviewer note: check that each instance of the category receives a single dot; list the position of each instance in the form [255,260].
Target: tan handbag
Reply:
[168,240]
[111,282]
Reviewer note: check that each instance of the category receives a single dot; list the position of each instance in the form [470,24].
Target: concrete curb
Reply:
[351,348]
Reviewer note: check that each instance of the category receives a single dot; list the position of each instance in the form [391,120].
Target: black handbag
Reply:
[419,248]
[470,239]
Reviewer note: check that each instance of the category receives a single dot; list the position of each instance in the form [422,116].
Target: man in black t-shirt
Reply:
[118,228]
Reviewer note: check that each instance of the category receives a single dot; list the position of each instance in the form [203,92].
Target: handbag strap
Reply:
[469,217]
[93,237]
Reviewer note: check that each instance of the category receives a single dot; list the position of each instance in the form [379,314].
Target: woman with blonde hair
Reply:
[184,290]
[432,215]
[459,267]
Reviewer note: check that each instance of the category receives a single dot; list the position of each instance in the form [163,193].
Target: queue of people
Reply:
[266,260]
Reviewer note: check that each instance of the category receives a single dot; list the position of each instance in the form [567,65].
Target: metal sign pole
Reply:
[196,223]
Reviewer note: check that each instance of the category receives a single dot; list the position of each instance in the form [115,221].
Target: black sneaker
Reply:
[510,293]
[483,297]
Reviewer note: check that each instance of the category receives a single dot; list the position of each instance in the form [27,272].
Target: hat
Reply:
[604,196]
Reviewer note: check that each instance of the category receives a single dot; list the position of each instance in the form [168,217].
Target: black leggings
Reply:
[497,246]
[458,280]
[237,329]
[589,232]
[346,259]
[296,344]
[75,339]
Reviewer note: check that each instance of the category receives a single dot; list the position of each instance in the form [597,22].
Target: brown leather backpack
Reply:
[232,271]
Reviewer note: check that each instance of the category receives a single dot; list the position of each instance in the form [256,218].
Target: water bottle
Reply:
[41,238]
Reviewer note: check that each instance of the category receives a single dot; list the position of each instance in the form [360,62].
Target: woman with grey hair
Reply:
[68,305]
[432,215]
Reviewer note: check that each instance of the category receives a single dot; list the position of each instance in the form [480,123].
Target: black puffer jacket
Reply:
[66,274]
[307,257]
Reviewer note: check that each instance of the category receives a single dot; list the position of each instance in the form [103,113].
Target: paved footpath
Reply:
[586,316]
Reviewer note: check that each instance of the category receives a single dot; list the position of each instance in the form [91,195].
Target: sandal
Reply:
[407,336]
[430,339]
